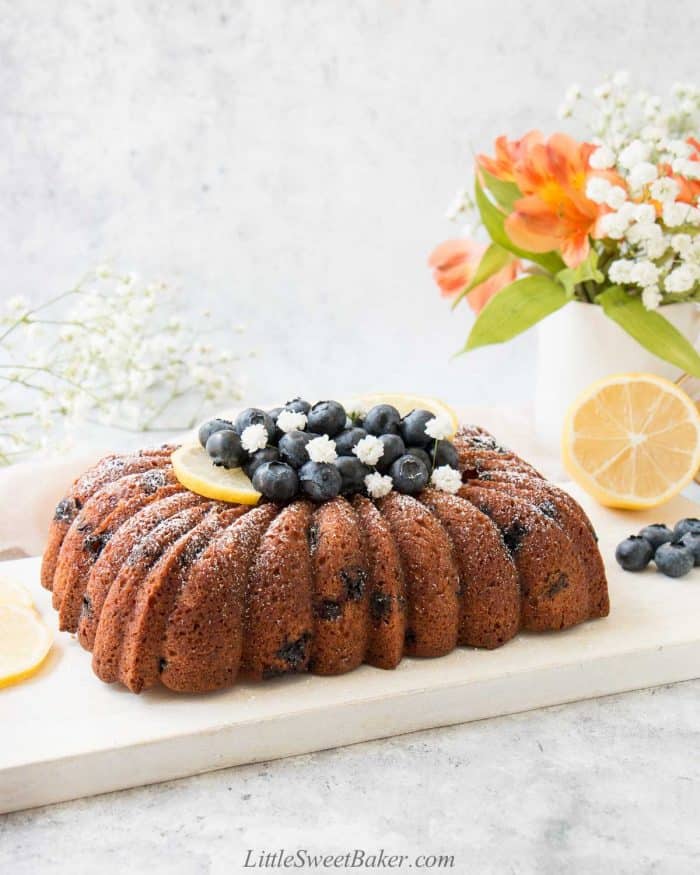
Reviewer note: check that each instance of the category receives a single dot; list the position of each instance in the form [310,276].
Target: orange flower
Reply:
[454,264]
[555,212]
[508,154]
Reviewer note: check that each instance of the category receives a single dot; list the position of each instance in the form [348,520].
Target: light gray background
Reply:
[290,161]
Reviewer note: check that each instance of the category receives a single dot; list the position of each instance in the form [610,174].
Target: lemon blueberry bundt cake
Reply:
[304,539]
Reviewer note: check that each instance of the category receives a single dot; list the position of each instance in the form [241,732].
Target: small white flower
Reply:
[679,148]
[651,297]
[369,450]
[378,485]
[644,214]
[664,189]
[598,189]
[254,438]
[682,243]
[642,174]
[601,159]
[621,79]
[675,214]
[321,449]
[616,197]
[645,273]
[620,271]
[446,479]
[290,420]
[614,225]
[439,427]
[633,154]
[681,279]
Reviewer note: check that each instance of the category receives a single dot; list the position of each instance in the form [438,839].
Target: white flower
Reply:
[645,273]
[446,479]
[378,485]
[614,225]
[682,243]
[439,427]
[644,214]
[616,197]
[642,174]
[254,438]
[620,271]
[602,159]
[290,420]
[461,204]
[321,449]
[633,154]
[621,79]
[369,450]
[664,189]
[681,279]
[675,214]
[598,189]
[651,297]
[679,148]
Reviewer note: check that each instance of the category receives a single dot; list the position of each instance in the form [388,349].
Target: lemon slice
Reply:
[194,469]
[13,593]
[632,441]
[404,404]
[24,643]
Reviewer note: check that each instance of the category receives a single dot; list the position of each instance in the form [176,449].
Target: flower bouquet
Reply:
[611,221]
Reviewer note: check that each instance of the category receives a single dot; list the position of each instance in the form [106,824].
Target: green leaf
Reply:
[514,309]
[570,277]
[494,259]
[506,193]
[650,329]
[494,220]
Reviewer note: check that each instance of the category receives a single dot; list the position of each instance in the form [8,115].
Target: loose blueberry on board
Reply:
[692,542]
[446,454]
[255,416]
[689,524]
[292,447]
[394,448]
[207,429]
[675,559]
[224,449]
[353,473]
[421,454]
[657,534]
[634,553]
[347,439]
[276,481]
[321,481]
[297,405]
[326,417]
[412,428]
[409,474]
[382,419]
[250,465]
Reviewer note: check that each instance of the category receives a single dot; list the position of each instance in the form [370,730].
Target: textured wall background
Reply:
[290,161]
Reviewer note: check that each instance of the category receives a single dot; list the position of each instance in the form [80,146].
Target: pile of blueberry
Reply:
[675,551]
[370,452]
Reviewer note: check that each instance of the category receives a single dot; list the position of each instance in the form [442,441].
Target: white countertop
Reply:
[611,782]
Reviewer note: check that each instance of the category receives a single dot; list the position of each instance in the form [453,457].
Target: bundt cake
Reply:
[165,585]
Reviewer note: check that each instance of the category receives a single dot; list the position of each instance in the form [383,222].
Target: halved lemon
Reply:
[24,643]
[194,469]
[632,440]
[13,593]
[404,404]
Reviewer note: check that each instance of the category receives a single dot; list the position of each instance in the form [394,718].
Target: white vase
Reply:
[579,344]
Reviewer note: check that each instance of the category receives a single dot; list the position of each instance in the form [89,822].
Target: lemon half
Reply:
[194,469]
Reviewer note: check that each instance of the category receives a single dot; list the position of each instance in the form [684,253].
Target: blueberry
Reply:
[273,414]
[446,454]
[634,553]
[353,473]
[674,560]
[292,447]
[321,481]
[326,417]
[255,416]
[421,454]
[347,439]
[409,474]
[276,481]
[207,429]
[269,454]
[690,524]
[382,419]
[394,447]
[657,534]
[224,449]
[297,405]
[413,428]
[692,541]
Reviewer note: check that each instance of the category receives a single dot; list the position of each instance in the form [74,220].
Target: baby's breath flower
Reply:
[680,279]
[254,437]
[651,297]
[378,485]
[446,479]
[321,449]
[439,427]
[369,450]
[602,158]
[664,189]
[290,420]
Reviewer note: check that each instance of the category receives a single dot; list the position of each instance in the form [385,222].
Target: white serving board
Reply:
[64,734]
